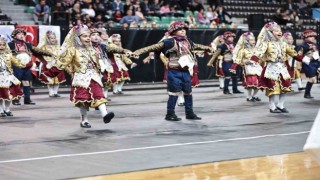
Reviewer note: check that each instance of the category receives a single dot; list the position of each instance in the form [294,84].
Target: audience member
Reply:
[41,10]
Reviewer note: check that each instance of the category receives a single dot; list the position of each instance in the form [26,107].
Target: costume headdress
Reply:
[242,43]
[176,25]
[228,34]
[266,33]
[17,31]
[73,38]
[308,33]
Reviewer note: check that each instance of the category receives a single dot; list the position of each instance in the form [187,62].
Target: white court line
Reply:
[150,147]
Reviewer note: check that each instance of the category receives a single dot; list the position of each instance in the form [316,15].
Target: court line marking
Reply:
[150,147]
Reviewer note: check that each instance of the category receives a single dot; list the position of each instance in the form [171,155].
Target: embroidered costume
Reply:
[80,57]
[275,78]
[226,50]
[9,84]
[23,51]
[310,61]
[50,44]
[251,69]
[178,50]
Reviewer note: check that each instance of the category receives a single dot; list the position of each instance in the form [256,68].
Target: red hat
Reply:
[17,31]
[228,34]
[308,33]
[176,25]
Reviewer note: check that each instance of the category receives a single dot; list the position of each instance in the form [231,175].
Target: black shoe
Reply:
[85,125]
[3,114]
[107,118]
[275,111]
[256,98]
[237,92]
[251,100]
[51,96]
[301,89]
[308,96]
[108,99]
[9,113]
[29,103]
[181,104]
[226,92]
[96,108]
[283,110]
[221,88]
[56,95]
[172,117]
[120,92]
[193,117]
[16,102]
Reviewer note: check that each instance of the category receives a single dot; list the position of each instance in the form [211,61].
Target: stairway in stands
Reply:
[16,12]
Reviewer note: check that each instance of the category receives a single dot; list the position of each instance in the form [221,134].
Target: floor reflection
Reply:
[298,166]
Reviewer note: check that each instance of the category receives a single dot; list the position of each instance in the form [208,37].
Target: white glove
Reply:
[306,60]
[102,66]
[315,55]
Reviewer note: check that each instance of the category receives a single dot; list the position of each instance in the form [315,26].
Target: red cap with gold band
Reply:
[176,26]
[308,33]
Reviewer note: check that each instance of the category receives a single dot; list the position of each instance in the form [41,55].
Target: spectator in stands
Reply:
[197,5]
[139,14]
[99,7]
[222,13]
[41,10]
[316,4]
[154,25]
[129,18]
[211,15]
[155,7]
[186,5]
[117,16]
[117,5]
[143,24]
[133,24]
[290,6]
[215,3]
[110,24]
[202,19]
[125,25]
[145,7]
[191,19]
[128,5]
[165,8]
[89,10]
[303,8]
[68,4]
[213,24]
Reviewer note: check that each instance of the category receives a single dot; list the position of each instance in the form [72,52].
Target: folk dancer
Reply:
[178,50]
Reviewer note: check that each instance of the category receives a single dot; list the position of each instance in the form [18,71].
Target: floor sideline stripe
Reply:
[150,147]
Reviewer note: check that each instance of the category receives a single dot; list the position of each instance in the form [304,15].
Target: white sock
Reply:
[50,88]
[120,85]
[180,98]
[84,114]
[1,106]
[55,88]
[115,88]
[299,82]
[7,106]
[105,92]
[221,82]
[249,91]
[282,98]
[272,104]
[255,92]
[103,110]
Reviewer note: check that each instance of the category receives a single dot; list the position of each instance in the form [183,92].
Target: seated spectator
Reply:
[139,14]
[110,24]
[90,11]
[186,5]
[117,16]
[202,19]
[41,10]
[165,8]
[155,8]
[143,24]
[154,25]
[99,7]
[191,19]
[145,7]
[222,13]
[213,24]
[197,5]
[133,24]
[117,5]
[290,6]
[68,4]
[316,4]
[303,8]
[125,25]
[129,18]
